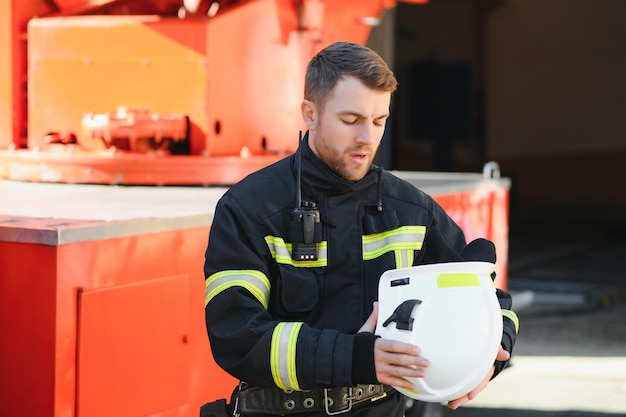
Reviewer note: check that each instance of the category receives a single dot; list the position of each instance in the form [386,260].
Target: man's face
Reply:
[346,132]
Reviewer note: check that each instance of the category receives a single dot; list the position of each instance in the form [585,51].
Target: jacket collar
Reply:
[316,177]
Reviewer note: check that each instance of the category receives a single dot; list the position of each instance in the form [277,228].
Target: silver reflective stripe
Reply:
[405,238]
[281,252]
[404,258]
[254,281]
[283,355]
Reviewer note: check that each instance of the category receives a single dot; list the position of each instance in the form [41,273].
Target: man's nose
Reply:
[365,134]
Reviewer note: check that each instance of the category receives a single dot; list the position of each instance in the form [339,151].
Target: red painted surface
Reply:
[135,344]
[129,168]
[234,75]
[139,331]
[27,329]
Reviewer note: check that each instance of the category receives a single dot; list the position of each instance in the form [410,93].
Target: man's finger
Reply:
[370,323]
[503,355]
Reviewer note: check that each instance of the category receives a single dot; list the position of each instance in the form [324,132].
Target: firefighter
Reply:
[296,250]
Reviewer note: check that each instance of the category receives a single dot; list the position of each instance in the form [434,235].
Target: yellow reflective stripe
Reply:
[457,280]
[254,281]
[402,238]
[511,314]
[404,258]
[281,252]
[283,355]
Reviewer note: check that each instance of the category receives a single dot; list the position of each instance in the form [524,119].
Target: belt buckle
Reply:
[350,397]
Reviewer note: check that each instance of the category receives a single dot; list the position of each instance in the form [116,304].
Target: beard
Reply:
[339,162]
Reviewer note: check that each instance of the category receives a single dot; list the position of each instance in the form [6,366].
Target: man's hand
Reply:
[394,360]
[502,355]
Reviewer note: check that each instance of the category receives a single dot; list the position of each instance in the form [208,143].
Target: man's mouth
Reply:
[359,157]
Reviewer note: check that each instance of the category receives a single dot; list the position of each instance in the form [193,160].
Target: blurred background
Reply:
[535,85]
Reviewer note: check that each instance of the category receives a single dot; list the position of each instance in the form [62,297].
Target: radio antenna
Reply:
[299,172]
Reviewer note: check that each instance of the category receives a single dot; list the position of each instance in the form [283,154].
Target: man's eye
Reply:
[349,121]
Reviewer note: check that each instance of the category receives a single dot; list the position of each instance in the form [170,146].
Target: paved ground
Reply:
[569,287]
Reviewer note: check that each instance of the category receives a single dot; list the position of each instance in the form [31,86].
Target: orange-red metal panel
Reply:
[79,4]
[483,212]
[6,73]
[230,74]
[23,11]
[133,348]
[105,7]
[96,64]
[257,59]
[256,81]
[136,259]
[235,74]
[40,316]
[27,329]
[128,168]
[14,17]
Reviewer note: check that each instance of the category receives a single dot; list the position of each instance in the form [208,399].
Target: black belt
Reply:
[256,400]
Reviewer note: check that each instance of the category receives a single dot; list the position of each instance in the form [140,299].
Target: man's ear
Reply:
[309,113]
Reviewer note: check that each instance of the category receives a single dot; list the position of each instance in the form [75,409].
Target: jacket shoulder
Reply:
[402,190]
[266,190]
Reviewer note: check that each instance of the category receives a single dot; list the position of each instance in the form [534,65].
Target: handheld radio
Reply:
[305,229]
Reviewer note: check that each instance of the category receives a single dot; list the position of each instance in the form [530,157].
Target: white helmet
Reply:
[451,312]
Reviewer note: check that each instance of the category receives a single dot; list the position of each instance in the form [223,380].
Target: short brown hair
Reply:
[342,59]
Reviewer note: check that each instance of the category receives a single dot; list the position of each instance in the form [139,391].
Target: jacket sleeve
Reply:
[510,328]
[444,240]
[246,341]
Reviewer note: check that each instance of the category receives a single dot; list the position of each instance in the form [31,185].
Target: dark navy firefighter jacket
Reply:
[276,322]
